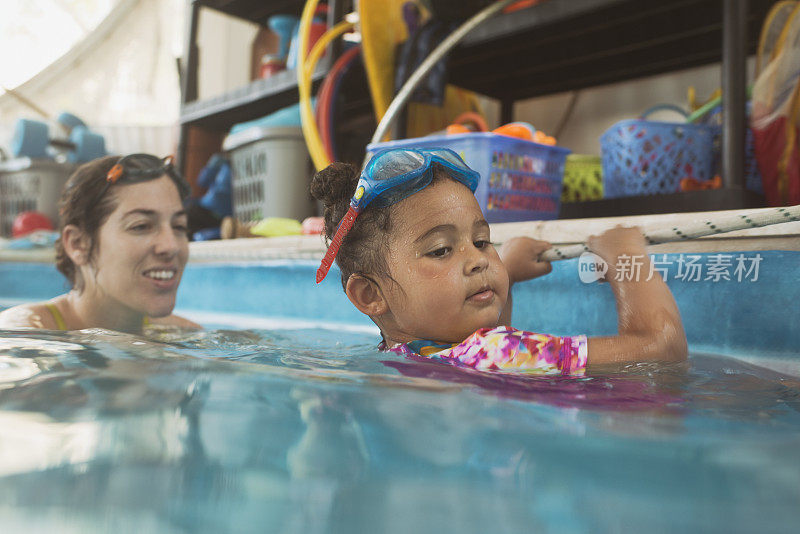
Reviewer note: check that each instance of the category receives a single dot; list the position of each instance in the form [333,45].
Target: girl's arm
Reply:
[520,255]
[648,319]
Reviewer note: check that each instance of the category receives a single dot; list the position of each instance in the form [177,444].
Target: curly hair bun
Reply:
[335,182]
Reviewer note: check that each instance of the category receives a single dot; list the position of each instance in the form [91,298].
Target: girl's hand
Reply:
[520,255]
[617,241]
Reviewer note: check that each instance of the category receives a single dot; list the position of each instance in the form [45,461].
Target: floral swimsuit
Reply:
[507,349]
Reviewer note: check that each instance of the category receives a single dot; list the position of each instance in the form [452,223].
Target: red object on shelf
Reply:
[313,225]
[30,221]
[270,64]
[318,27]
[781,177]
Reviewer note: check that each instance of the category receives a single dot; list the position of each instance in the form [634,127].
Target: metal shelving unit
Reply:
[566,45]
[563,45]
[555,46]
[259,97]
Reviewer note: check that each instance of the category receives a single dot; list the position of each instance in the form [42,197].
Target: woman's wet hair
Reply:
[364,249]
[79,205]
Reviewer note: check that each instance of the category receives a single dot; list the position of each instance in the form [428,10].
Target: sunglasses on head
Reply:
[136,168]
[390,176]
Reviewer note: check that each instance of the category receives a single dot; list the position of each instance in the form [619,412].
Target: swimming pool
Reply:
[282,416]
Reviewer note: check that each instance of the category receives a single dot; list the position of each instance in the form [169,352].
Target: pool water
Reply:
[308,430]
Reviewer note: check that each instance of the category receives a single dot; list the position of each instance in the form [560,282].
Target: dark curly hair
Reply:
[364,249]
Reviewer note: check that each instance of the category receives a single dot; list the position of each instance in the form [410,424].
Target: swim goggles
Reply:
[143,167]
[390,176]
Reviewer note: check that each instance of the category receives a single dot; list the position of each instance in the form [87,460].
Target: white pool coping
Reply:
[784,236]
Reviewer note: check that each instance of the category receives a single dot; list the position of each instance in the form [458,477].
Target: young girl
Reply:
[123,247]
[415,255]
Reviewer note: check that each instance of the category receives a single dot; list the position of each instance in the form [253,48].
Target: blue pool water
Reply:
[305,429]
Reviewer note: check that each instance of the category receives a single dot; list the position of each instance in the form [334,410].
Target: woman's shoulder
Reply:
[33,315]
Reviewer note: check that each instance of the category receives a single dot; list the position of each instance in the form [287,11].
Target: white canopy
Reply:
[121,79]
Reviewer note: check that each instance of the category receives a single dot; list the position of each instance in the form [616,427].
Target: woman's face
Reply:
[449,278]
[143,247]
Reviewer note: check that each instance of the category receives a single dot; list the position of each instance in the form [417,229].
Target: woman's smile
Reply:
[163,278]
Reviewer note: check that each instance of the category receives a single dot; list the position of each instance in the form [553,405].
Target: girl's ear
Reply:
[77,244]
[365,295]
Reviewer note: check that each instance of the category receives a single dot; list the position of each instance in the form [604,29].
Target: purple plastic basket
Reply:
[520,180]
[642,157]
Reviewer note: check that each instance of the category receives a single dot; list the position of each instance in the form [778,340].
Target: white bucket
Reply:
[271,172]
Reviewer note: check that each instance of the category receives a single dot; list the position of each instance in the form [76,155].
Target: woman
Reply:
[123,248]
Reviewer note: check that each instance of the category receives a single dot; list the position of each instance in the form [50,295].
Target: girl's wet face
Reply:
[449,278]
[142,247]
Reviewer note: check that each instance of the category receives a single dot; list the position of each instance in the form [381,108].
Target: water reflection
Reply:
[283,431]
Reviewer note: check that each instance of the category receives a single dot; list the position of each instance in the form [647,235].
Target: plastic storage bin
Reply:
[30,185]
[271,172]
[583,178]
[520,180]
[642,157]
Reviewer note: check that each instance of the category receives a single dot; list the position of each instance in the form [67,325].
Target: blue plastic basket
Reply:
[520,180]
[642,157]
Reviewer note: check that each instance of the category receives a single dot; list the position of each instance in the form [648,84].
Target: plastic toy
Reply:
[216,178]
[276,226]
[32,139]
[69,122]
[318,28]
[30,221]
[693,184]
[313,225]
[284,26]
[270,64]
[232,228]
[207,234]
[523,130]
[475,119]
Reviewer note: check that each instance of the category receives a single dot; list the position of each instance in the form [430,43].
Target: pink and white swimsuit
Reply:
[509,350]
